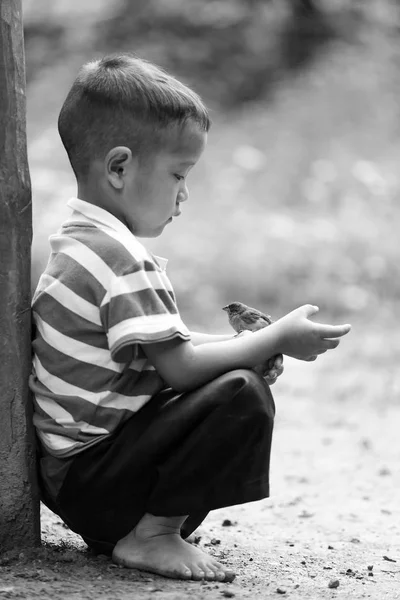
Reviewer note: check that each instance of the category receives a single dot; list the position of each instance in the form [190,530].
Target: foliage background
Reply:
[296,197]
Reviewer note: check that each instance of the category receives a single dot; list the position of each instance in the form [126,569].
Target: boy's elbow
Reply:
[176,364]
[180,384]
[181,380]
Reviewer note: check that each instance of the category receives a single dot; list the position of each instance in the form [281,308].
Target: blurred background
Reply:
[296,197]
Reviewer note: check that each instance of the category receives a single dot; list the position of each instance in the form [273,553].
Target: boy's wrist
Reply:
[278,337]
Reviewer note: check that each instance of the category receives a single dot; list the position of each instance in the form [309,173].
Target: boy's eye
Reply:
[179,177]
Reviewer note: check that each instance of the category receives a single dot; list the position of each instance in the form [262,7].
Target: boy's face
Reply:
[156,187]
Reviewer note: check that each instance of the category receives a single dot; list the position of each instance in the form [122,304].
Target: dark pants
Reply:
[181,454]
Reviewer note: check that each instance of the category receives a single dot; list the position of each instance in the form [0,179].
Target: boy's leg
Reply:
[241,409]
[224,457]
[179,455]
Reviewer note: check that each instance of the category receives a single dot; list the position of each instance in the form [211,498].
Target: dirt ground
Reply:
[331,528]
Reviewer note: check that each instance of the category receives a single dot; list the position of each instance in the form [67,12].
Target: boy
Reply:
[144,427]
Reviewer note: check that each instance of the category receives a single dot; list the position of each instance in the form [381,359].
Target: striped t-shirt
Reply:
[101,297]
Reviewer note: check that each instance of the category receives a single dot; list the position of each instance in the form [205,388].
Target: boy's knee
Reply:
[252,393]
[248,377]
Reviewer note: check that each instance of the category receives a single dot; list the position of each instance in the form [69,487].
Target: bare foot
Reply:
[155,545]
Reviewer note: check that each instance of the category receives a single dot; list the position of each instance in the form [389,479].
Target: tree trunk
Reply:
[19,503]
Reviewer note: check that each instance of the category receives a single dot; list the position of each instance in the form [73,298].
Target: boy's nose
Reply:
[183,194]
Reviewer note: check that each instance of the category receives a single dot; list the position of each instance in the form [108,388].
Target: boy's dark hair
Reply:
[122,100]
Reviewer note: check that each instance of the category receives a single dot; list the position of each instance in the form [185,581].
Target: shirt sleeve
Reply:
[140,308]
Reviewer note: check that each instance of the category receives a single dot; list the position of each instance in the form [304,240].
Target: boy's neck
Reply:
[94,194]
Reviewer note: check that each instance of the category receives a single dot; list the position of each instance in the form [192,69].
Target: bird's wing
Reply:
[251,315]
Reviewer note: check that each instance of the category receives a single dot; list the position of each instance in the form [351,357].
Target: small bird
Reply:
[243,317]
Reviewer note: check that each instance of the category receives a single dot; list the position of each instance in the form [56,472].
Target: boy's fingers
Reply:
[334,331]
[310,309]
[329,344]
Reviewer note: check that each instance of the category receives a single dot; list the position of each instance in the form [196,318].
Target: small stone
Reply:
[389,559]
[227,523]
[303,562]
[227,593]
[305,515]
[384,472]
[215,542]
[349,571]
[355,541]
[334,583]
[280,591]
[366,443]
[229,577]
[370,567]
[370,574]
[330,548]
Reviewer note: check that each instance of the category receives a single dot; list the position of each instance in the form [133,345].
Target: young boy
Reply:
[144,427]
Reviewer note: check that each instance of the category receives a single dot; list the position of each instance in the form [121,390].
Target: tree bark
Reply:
[19,501]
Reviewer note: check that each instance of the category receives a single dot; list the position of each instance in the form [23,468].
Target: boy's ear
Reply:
[116,163]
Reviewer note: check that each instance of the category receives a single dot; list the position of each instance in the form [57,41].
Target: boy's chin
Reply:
[150,233]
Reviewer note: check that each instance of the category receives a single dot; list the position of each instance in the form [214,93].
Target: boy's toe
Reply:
[198,574]
[211,575]
[229,576]
[181,572]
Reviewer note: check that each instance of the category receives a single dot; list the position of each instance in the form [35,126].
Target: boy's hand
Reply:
[303,339]
[272,370]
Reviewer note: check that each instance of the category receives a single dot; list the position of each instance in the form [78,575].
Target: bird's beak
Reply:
[225,308]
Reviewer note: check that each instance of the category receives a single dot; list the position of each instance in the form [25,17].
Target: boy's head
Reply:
[121,117]
[122,100]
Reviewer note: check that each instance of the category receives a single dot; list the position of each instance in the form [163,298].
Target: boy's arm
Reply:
[270,370]
[184,366]
[198,338]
